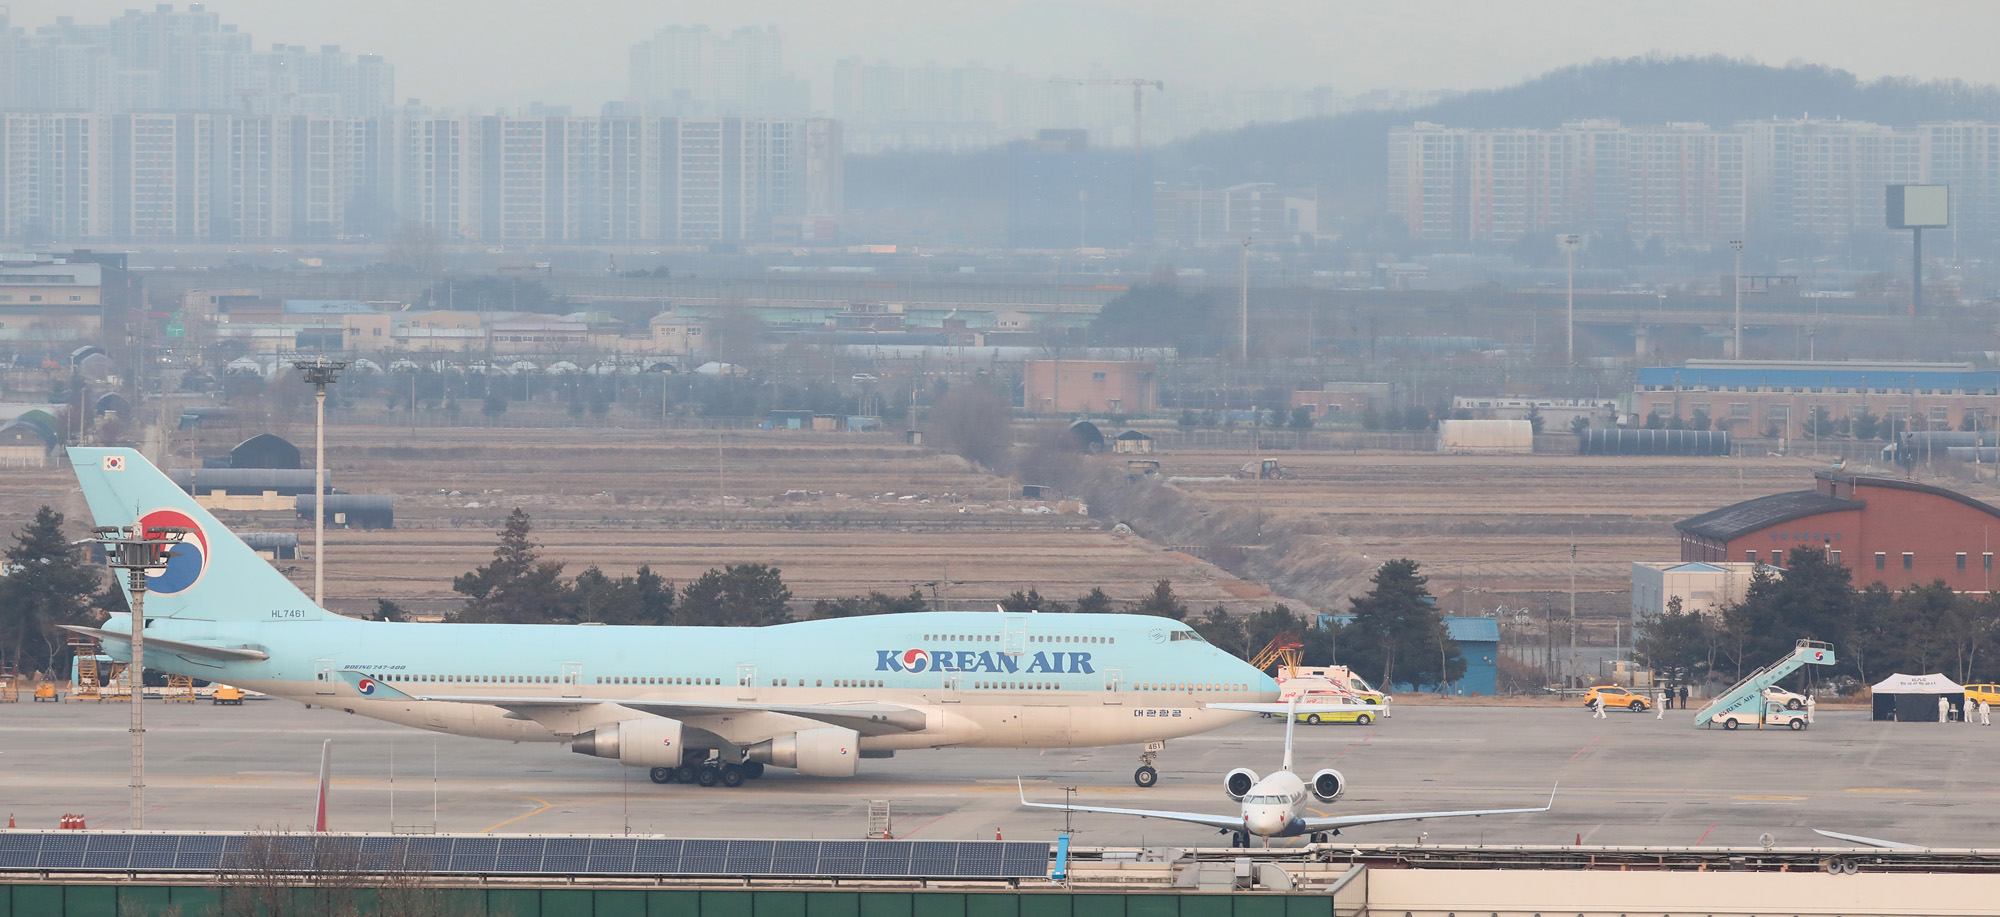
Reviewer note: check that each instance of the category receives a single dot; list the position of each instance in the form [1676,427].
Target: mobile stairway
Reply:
[1748,692]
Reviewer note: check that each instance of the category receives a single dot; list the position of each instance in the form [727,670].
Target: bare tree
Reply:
[316,875]
[417,248]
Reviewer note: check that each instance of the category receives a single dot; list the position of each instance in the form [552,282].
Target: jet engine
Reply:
[828,751]
[1329,785]
[651,742]
[1238,783]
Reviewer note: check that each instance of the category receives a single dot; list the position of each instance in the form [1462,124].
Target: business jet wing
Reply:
[1225,822]
[1868,841]
[864,718]
[1336,822]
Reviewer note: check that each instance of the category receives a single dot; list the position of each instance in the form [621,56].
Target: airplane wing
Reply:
[199,653]
[1282,709]
[1225,822]
[1868,841]
[864,718]
[1336,822]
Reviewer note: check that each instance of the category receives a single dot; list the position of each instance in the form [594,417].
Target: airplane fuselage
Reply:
[1274,806]
[981,679]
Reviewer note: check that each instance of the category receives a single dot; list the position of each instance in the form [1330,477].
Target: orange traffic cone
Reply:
[80,826]
[10,819]
[996,834]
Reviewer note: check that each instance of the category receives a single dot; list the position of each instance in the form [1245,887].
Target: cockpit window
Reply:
[1180,635]
[1267,800]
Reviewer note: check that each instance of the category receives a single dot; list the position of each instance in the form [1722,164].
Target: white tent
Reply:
[1913,698]
[1917,684]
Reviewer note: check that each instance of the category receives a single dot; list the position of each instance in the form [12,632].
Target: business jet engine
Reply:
[651,742]
[1329,785]
[828,751]
[1238,783]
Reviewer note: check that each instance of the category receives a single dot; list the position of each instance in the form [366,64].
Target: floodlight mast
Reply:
[320,372]
[140,552]
[1570,241]
[1737,285]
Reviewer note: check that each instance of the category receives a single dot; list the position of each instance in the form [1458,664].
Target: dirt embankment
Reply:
[1292,557]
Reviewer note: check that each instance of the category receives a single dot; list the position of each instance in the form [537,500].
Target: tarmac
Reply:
[1629,780]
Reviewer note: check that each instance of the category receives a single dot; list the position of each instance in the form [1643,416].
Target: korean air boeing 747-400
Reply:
[692,704]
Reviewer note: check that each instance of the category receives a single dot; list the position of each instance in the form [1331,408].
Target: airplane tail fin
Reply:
[1291,723]
[211,575]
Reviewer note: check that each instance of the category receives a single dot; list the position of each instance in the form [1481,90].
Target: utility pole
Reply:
[1737,286]
[1572,600]
[1140,199]
[319,372]
[1243,345]
[1569,243]
[140,551]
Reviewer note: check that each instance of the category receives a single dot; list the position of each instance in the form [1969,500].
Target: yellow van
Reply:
[1988,693]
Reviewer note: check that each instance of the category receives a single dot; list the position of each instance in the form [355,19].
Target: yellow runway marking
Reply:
[545,806]
[1878,789]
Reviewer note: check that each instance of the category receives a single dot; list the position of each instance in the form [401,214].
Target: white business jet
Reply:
[1274,806]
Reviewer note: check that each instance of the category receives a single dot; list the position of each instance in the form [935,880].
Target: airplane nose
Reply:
[1266,821]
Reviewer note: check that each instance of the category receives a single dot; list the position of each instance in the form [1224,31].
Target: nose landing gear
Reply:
[1146,775]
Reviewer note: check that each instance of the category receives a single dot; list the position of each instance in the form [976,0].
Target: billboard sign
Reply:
[1919,206]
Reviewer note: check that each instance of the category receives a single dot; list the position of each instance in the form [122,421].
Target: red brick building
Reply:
[1885,530]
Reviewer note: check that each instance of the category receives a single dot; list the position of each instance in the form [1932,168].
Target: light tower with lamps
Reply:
[1569,242]
[140,551]
[319,372]
[1736,286]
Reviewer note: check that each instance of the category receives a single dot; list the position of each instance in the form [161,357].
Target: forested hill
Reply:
[1346,156]
[1347,153]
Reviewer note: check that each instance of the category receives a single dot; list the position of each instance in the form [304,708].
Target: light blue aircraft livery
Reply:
[692,704]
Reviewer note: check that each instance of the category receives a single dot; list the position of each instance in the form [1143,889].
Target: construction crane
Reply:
[1138,147]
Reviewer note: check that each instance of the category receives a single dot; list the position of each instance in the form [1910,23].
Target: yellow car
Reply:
[1358,717]
[1988,693]
[1615,696]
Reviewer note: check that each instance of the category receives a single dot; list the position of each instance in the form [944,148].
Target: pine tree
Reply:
[518,587]
[739,595]
[47,584]
[1398,631]
[1162,603]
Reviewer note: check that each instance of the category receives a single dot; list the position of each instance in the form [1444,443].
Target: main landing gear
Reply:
[709,773]
[1146,775]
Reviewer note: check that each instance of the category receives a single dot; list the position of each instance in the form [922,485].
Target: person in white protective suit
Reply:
[1944,710]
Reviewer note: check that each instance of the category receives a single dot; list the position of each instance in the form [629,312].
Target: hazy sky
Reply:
[510,52]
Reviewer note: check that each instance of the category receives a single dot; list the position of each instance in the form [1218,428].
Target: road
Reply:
[1626,780]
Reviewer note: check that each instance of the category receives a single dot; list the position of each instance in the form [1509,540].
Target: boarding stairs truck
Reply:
[1745,703]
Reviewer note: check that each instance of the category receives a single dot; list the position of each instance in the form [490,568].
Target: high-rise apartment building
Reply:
[1685,183]
[1517,182]
[167,60]
[1838,172]
[1430,180]
[1966,156]
[692,71]
[198,177]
